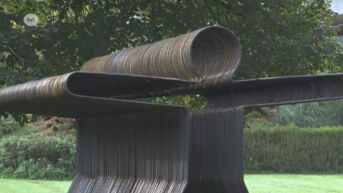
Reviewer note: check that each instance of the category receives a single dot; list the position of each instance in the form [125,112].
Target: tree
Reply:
[282,37]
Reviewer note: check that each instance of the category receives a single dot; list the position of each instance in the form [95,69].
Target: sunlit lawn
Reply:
[257,183]
[275,183]
[33,186]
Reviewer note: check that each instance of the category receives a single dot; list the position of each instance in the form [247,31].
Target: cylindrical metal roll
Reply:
[209,56]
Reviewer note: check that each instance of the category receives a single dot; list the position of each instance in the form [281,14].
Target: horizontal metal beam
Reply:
[83,94]
[277,91]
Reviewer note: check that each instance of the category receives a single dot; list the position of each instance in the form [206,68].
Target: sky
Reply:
[337,6]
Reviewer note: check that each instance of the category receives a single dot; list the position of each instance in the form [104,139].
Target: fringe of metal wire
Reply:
[209,56]
[216,151]
[170,151]
[132,153]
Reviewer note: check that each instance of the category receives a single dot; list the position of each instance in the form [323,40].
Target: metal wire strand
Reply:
[208,56]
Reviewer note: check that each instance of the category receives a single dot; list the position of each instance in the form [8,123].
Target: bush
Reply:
[50,153]
[37,157]
[7,126]
[290,149]
[317,114]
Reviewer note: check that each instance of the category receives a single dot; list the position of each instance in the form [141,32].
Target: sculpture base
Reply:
[172,151]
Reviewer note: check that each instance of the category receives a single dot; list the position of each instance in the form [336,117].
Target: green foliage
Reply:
[278,37]
[35,156]
[43,154]
[287,37]
[290,149]
[7,126]
[189,101]
[312,114]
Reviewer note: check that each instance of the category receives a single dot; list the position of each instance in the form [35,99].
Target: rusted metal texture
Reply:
[125,145]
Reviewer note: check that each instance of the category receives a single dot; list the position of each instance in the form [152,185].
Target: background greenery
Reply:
[38,152]
[46,149]
[317,114]
[290,149]
[278,37]
[284,37]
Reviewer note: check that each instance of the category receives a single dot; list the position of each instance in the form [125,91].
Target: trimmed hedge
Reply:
[316,114]
[37,154]
[289,149]
[37,157]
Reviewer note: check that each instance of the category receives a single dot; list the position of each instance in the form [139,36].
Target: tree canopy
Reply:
[284,37]
[278,37]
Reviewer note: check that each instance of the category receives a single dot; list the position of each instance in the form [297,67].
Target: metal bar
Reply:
[82,94]
[277,91]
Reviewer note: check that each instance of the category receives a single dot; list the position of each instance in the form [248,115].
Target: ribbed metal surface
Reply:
[133,152]
[166,151]
[277,91]
[209,56]
[206,58]
[79,93]
[216,151]
[82,94]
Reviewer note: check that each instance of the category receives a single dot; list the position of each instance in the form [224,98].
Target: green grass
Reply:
[257,183]
[33,186]
[276,183]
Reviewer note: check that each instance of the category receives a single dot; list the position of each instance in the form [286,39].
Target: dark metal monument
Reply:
[126,145]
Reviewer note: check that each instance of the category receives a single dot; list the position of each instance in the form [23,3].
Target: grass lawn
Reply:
[276,183]
[257,183]
[33,186]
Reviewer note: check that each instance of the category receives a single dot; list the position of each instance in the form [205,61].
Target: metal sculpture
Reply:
[126,145]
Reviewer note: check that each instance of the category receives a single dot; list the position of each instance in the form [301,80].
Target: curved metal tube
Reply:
[83,94]
[208,56]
